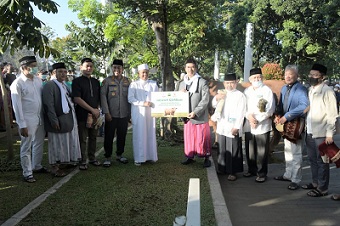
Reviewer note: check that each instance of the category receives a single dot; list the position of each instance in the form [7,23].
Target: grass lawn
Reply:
[152,194]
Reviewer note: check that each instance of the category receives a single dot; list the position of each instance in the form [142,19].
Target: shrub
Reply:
[272,71]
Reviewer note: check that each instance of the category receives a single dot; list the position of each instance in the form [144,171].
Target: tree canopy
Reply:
[20,28]
[164,33]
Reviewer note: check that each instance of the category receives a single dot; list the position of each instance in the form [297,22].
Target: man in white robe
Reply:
[143,125]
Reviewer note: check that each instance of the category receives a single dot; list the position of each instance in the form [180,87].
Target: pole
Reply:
[248,52]
[217,66]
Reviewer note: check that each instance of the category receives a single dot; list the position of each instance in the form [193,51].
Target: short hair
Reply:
[292,67]
[191,61]
[86,59]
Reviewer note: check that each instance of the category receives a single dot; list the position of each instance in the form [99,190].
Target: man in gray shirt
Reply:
[115,106]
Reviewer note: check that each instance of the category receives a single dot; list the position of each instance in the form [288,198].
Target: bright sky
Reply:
[57,21]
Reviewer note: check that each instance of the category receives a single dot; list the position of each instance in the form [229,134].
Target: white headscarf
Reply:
[192,82]
[63,92]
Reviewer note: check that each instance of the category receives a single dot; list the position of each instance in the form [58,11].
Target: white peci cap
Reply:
[143,67]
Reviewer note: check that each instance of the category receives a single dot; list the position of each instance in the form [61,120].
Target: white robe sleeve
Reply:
[133,95]
[17,104]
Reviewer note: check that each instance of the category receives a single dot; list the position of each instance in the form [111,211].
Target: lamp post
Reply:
[248,52]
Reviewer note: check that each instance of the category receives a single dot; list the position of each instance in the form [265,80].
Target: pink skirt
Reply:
[197,140]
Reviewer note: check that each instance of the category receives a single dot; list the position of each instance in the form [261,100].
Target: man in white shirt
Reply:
[229,128]
[260,108]
[27,104]
[321,119]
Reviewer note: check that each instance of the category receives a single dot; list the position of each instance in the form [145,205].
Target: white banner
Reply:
[170,104]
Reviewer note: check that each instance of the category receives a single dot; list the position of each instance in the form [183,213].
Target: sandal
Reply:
[316,193]
[308,186]
[95,163]
[107,163]
[261,179]
[335,197]
[232,177]
[122,159]
[293,186]
[83,166]
[58,173]
[29,179]
[281,178]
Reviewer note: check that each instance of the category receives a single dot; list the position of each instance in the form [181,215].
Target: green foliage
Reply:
[272,71]
[309,29]
[291,31]
[70,52]
[20,28]
[87,40]
[189,33]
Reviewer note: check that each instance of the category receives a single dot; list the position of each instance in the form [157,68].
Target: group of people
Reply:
[72,119]
[249,113]
[318,110]
[253,113]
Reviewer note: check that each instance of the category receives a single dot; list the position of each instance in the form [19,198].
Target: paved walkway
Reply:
[271,203]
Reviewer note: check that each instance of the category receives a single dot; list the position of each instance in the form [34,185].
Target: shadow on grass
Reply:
[123,194]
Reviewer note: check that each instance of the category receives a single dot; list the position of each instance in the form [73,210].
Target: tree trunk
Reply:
[10,154]
[160,29]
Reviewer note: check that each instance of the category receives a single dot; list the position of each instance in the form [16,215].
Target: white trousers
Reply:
[31,149]
[293,158]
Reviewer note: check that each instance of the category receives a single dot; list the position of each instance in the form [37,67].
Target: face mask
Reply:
[34,70]
[257,84]
[313,81]
[336,90]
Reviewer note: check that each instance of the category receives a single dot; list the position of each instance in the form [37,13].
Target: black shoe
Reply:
[41,170]
[207,163]
[249,174]
[187,161]
[215,146]
[220,172]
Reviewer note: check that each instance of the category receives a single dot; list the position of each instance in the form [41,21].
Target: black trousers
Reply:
[120,126]
[88,142]
[230,158]
[257,149]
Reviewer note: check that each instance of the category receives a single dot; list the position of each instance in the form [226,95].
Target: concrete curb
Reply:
[220,208]
[16,218]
